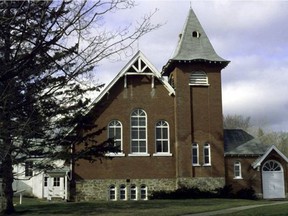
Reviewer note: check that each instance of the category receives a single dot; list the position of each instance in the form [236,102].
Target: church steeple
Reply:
[194,45]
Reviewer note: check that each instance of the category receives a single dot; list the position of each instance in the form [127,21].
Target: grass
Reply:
[140,208]
[274,210]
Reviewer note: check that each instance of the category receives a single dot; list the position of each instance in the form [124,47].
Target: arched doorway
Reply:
[273,180]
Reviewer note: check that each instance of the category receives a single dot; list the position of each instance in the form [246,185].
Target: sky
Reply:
[253,35]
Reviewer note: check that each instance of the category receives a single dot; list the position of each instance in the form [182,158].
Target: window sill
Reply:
[199,84]
[139,154]
[206,165]
[238,178]
[196,165]
[162,154]
[111,154]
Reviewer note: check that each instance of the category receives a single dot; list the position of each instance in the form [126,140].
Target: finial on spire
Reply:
[190,5]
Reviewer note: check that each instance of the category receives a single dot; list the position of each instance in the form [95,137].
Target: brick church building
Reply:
[169,126]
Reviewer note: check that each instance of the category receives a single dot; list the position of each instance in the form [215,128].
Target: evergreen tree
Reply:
[46,48]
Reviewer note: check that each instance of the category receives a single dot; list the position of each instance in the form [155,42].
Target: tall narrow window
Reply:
[122,192]
[115,132]
[133,192]
[138,131]
[29,168]
[195,154]
[45,181]
[207,154]
[112,192]
[143,192]
[237,170]
[162,137]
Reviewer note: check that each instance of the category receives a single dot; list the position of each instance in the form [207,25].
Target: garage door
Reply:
[273,180]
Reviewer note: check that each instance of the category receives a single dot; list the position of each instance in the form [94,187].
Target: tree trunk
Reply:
[7,185]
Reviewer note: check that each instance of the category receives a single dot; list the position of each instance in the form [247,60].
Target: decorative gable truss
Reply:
[138,65]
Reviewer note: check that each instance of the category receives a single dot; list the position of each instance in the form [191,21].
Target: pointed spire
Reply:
[194,44]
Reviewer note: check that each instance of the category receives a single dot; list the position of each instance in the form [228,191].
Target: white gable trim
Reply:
[259,161]
[140,56]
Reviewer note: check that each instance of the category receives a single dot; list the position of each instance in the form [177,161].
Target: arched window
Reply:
[237,170]
[272,165]
[138,131]
[133,192]
[162,137]
[112,192]
[207,154]
[115,132]
[122,192]
[143,192]
[198,78]
[195,154]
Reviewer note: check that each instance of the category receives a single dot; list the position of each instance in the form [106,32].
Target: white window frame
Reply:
[123,192]
[237,170]
[207,154]
[116,124]
[133,192]
[56,182]
[143,192]
[195,147]
[162,125]
[112,192]
[139,116]
[198,78]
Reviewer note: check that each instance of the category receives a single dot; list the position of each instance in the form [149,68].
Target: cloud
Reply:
[251,34]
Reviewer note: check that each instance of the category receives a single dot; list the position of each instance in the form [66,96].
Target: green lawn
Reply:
[139,208]
[274,210]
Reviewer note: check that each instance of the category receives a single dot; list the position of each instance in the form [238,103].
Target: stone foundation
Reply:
[98,189]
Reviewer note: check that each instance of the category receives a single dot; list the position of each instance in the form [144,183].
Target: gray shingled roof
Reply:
[252,147]
[239,142]
[197,47]
[234,138]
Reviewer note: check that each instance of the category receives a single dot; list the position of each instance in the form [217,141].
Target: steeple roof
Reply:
[194,45]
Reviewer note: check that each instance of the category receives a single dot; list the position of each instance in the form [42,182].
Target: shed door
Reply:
[273,180]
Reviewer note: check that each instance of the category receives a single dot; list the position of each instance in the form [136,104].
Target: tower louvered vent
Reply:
[198,78]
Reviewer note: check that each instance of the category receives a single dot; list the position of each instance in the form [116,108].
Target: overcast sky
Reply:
[253,35]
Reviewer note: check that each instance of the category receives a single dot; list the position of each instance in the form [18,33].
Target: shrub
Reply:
[246,193]
[195,193]
[225,192]
[183,193]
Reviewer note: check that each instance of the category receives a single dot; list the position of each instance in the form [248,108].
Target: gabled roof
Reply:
[194,45]
[259,160]
[138,65]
